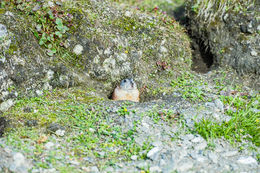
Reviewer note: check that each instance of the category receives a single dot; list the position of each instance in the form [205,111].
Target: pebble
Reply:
[134,157]
[185,165]
[219,105]
[49,145]
[78,49]
[213,157]
[6,105]
[247,160]
[3,31]
[155,169]
[152,152]
[60,132]
[253,53]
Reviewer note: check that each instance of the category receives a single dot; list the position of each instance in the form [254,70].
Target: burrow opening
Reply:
[202,58]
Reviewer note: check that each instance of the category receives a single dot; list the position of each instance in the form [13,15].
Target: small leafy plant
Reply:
[51,22]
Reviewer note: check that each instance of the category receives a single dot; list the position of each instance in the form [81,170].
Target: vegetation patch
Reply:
[244,123]
[90,131]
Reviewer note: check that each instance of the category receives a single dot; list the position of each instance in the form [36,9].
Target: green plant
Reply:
[189,87]
[123,111]
[50,22]
[244,123]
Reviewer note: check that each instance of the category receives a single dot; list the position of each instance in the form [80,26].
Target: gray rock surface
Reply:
[231,36]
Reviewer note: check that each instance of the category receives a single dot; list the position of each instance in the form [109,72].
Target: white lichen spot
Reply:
[109,64]
[51,4]
[9,13]
[49,75]
[128,14]
[122,57]
[253,53]
[96,59]
[6,105]
[78,49]
[126,67]
[258,28]
[107,51]
[163,49]
[3,31]
[39,92]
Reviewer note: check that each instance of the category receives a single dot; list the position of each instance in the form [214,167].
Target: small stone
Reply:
[19,159]
[153,151]
[51,170]
[39,93]
[258,28]
[219,105]
[134,157]
[74,162]
[92,130]
[253,53]
[128,14]
[49,145]
[163,49]
[197,139]
[109,169]
[60,132]
[201,146]
[53,127]
[31,123]
[229,153]
[36,7]
[78,49]
[3,31]
[157,143]
[155,169]
[213,157]
[6,105]
[209,104]
[247,160]
[185,166]
[9,13]
[94,169]
[51,4]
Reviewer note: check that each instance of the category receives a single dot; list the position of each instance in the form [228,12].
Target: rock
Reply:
[155,169]
[197,139]
[60,132]
[3,31]
[153,152]
[213,157]
[253,53]
[219,105]
[53,127]
[201,146]
[184,166]
[229,153]
[49,145]
[78,49]
[247,160]
[6,105]
[19,164]
[134,157]
[228,46]
[31,123]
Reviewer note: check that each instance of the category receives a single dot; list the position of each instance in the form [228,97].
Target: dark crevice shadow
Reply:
[202,58]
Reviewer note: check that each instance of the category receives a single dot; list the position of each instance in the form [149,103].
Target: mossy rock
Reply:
[114,43]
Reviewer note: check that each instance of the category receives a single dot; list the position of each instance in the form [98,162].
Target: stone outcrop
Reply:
[107,44]
[229,30]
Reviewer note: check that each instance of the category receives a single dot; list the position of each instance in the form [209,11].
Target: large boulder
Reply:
[230,30]
[106,44]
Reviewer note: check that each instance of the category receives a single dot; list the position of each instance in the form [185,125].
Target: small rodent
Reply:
[127,90]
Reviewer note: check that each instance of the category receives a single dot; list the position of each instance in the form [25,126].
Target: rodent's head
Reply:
[128,84]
